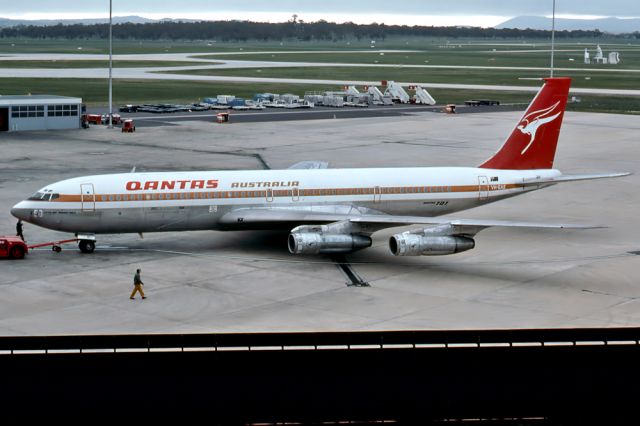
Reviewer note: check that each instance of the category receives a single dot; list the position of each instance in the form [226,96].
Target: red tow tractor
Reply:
[14,248]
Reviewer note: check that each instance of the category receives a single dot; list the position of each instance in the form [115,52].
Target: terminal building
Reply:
[39,112]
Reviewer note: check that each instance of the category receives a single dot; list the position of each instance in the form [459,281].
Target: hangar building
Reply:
[39,112]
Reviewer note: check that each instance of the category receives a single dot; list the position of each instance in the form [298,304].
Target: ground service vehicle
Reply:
[12,247]
[93,118]
[128,126]
[117,119]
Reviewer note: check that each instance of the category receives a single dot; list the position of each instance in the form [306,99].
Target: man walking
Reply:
[137,286]
[19,229]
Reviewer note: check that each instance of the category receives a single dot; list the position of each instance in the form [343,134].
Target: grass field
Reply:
[622,80]
[93,64]
[93,46]
[94,91]
[430,45]
[475,54]
[424,51]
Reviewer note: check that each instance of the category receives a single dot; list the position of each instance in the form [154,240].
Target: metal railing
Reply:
[449,339]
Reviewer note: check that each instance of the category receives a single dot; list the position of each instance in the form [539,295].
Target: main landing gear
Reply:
[86,243]
[87,246]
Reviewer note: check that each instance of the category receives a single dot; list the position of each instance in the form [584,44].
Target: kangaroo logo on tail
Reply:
[530,123]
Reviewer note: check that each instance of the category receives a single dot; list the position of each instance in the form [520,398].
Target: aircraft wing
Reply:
[370,223]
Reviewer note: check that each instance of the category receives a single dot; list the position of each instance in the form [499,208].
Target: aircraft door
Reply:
[269,194]
[376,194]
[295,194]
[483,188]
[87,197]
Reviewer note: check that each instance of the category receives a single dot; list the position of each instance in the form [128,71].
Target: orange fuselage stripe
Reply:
[193,195]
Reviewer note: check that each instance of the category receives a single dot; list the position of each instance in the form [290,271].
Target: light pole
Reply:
[553,34]
[110,65]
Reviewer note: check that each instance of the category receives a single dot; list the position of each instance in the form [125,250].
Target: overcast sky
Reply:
[410,12]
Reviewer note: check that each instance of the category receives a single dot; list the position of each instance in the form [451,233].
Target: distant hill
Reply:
[5,22]
[608,25]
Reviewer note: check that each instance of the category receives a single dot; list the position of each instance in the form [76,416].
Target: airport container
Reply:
[225,99]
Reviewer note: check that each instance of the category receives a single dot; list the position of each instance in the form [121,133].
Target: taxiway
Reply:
[247,281]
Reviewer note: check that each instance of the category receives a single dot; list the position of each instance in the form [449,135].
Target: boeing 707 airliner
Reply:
[326,210]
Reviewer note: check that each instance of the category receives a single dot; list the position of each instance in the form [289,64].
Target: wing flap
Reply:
[482,223]
[264,217]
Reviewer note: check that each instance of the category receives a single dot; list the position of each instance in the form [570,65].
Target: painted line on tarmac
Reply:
[285,111]
[329,262]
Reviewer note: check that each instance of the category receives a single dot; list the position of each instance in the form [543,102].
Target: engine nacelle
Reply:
[408,244]
[319,243]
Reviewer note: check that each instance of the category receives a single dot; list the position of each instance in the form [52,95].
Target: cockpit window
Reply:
[38,196]
[43,196]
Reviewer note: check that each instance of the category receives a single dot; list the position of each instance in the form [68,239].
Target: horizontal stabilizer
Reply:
[574,178]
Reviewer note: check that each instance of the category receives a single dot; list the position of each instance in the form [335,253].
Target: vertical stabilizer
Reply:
[532,144]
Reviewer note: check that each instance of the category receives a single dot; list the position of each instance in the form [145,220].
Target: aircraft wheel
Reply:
[56,249]
[87,246]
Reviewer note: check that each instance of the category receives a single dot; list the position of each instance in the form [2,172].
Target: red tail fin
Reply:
[532,144]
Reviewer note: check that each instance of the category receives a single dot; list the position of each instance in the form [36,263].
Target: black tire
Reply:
[17,252]
[87,246]
[56,249]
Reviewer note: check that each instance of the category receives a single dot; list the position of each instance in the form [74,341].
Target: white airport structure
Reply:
[599,58]
[378,97]
[397,92]
[613,58]
[39,112]
[423,97]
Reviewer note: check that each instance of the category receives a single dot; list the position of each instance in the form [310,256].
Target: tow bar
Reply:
[55,245]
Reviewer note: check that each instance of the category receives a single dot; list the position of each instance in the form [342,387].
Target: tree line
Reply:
[262,31]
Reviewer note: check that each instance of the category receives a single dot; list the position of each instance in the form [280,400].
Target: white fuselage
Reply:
[178,201]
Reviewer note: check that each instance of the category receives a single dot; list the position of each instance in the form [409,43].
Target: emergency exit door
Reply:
[87,197]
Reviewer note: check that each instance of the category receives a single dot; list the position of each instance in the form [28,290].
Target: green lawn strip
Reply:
[591,103]
[96,64]
[93,46]
[433,47]
[478,56]
[95,91]
[582,79]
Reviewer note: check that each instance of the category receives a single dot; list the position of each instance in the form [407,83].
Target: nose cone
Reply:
[20,211]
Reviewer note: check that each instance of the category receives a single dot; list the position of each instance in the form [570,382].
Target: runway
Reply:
[247,281]
[165,73]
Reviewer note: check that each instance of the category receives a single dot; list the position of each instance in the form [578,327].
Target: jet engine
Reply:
[321,243]
[412,244]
